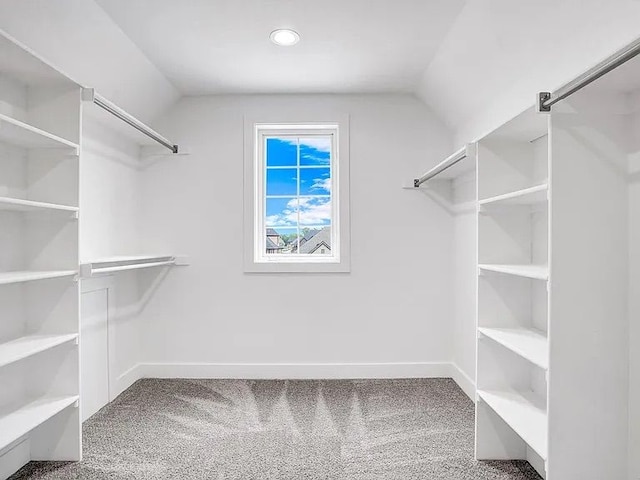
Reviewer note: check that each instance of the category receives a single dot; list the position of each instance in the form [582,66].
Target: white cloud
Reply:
[313,211]
[321,184]
[322,144]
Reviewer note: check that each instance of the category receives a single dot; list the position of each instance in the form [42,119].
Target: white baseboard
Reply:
[125,380]
[302,371]
[296,371]
[465,382]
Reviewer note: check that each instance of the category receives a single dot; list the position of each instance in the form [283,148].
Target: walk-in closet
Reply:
[278,239]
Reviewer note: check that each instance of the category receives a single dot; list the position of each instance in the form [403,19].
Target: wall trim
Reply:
[296,371]
[292,371]
[464,381]
[125,380]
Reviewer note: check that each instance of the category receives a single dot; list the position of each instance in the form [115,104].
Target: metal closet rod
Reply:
[134,122]
[547,99]
[447,163]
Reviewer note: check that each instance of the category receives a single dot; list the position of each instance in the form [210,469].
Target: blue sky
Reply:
[284,212]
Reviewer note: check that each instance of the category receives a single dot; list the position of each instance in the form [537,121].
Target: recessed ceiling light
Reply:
[284,37]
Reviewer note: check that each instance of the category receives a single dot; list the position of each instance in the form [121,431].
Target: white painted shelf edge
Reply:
[24,347]
[132,262]
[18,422]
[538,272]
[527,196]
[21,134]
[523,412]
[31,275]
[19,205]
[529,343]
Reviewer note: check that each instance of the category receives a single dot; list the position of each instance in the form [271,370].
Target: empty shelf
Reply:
[539,272]
[19,205]
[28,276]
[528,343]
[528,196]
[24,347]
[124,263]
[20,134]
[14,423]
[524,413]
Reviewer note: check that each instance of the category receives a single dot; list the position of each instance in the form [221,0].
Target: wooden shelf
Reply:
[29,275]
[14,423]
[19,205]
[20,134]
[528,196]
[538,272]
[523,412]
[24,347]
[132,262]
[528,343]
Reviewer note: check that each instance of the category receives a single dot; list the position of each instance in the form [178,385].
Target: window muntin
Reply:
[296,194]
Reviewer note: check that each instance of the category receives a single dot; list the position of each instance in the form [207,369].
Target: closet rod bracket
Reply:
[541,102]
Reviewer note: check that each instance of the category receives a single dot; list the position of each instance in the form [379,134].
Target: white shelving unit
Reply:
[540,272]
[19,205]
[40,113]
[31,276]
[529,343]
[527,196]
[19,422]
[525,413]
[19,134]
[553,256]
[513,273]
[24,347]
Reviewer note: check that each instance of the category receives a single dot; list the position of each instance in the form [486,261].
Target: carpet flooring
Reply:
[283,430]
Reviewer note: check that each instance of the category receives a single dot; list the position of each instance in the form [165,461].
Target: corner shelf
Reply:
[18,422]
[32,275]
[537,272]
[24,347]
[528,196]
[124,263]
[19,205]
[20,134]
[523,412]
[530,344]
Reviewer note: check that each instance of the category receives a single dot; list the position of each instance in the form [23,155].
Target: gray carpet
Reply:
[238,429]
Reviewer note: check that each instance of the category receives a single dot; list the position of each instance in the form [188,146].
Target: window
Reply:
[297,204]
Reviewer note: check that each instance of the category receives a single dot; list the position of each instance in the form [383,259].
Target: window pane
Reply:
[281,212]
[281,241]
[315,181]
[314,211]
[282,181]
[282,152]
[316,241]
[315,151]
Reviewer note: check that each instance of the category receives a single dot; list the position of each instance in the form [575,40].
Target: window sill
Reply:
[297,267]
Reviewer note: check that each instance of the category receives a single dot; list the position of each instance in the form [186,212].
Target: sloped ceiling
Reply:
[500,53]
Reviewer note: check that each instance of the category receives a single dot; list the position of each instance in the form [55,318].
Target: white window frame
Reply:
[256,259]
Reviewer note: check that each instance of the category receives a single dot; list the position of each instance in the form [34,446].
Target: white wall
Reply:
[109,225]
[634,314]
[80,39]
[465,267]
[500,53]
[394,306]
